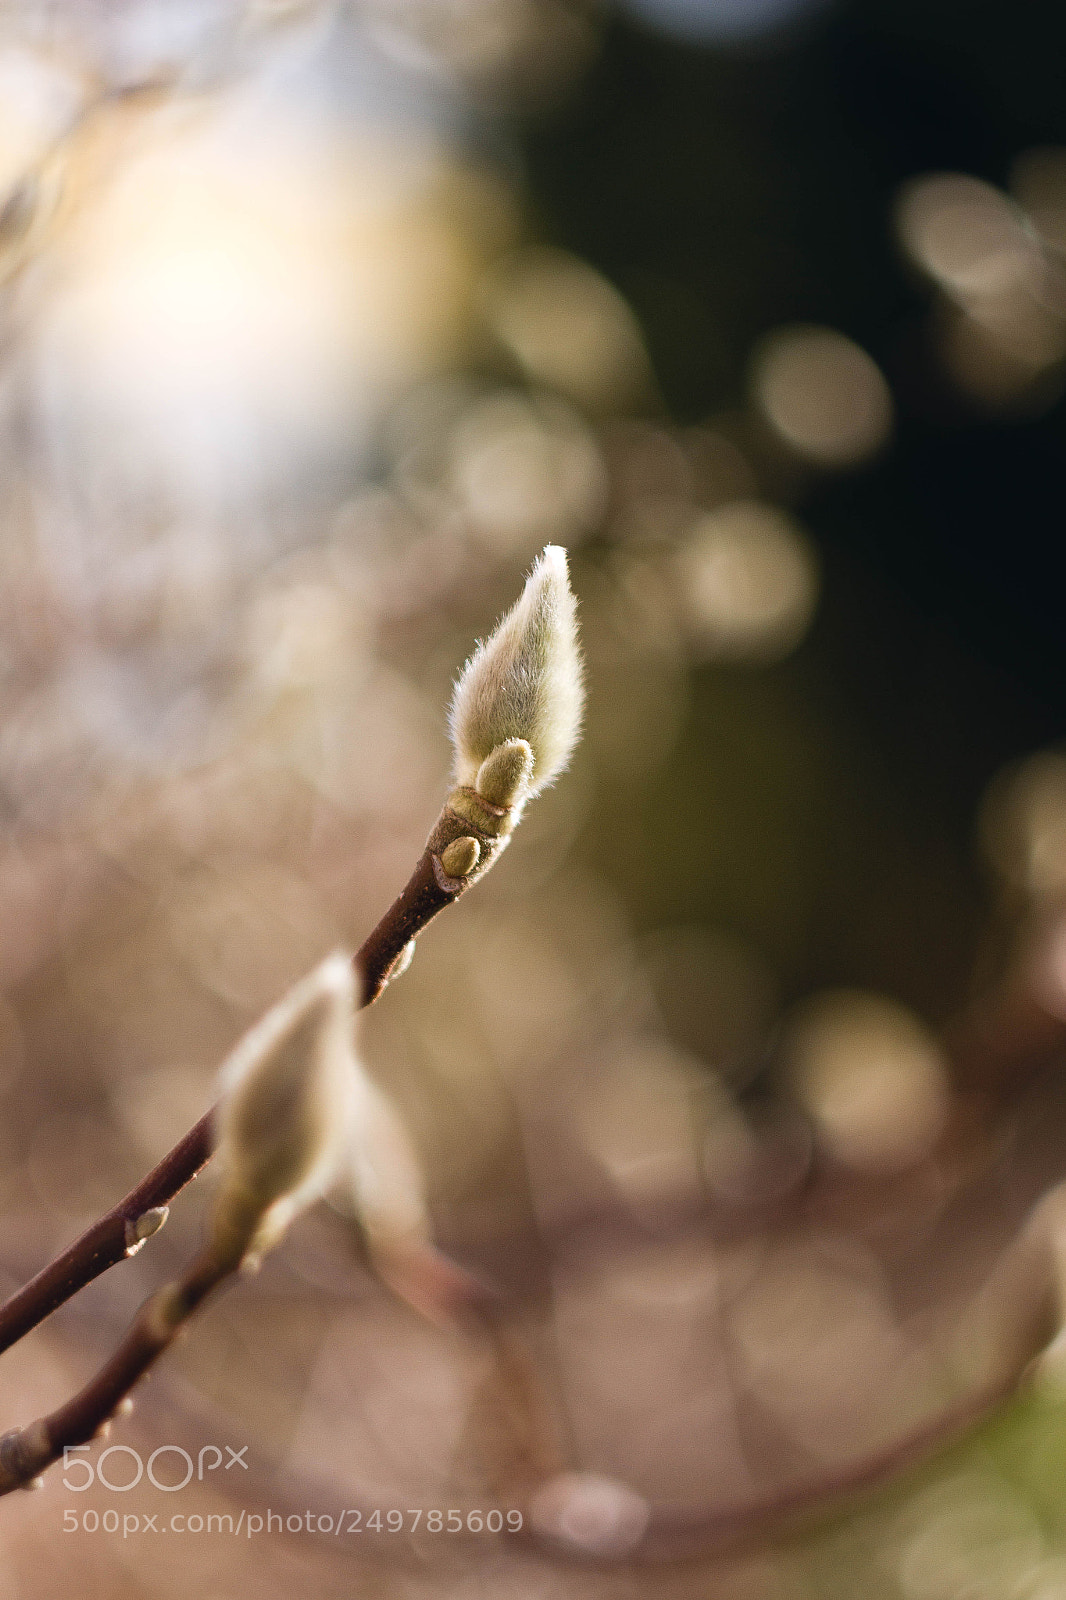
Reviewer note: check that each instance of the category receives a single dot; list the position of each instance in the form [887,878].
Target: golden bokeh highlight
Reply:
[239,293]
[525,470]
[569,329]
[963,232]
[1001,329]
[823,396]
[870,1076]
[748,580]
[1023,825]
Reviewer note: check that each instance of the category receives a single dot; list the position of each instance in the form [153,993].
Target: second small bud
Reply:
[459,858]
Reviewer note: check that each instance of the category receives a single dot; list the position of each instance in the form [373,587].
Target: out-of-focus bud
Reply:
[387,1186]
[524,683]
[285,1110]
[388,1198]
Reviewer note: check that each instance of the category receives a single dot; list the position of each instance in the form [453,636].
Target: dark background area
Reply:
[778,210]
[727,191]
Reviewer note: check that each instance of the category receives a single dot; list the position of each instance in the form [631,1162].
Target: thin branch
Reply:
[428,891]
[123,1230]
[26,1452]
[119,1233]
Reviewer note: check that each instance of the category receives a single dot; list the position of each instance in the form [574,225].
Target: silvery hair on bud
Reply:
[286,1088]
[524,681]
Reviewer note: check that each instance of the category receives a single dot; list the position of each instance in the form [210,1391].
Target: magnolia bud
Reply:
[388,1193]
[522,684]
[283,1116]
[388,1198]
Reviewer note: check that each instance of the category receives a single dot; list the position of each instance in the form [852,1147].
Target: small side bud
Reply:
[504,776]
[460,857]
[150,1222]
[403,960]
[524,682]
[283,1115]
[140,1229]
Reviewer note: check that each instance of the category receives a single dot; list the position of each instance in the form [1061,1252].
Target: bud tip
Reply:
[524,683]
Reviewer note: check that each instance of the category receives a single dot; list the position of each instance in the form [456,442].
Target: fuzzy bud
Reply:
[387,1197]
[523,683]
[388,1192]
[283,1116]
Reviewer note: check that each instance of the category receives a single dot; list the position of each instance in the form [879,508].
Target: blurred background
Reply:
[740,1076]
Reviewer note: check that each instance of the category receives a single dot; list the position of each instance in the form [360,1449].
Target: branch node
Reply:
[445,882]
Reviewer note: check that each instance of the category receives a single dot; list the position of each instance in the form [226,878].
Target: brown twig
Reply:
[123,1230]
[428,891]
[26,1452]
[119,1233]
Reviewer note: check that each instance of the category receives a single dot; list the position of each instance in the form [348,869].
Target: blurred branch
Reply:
[26,1452]
[114,1236]
[124,1229]
[282,1126]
